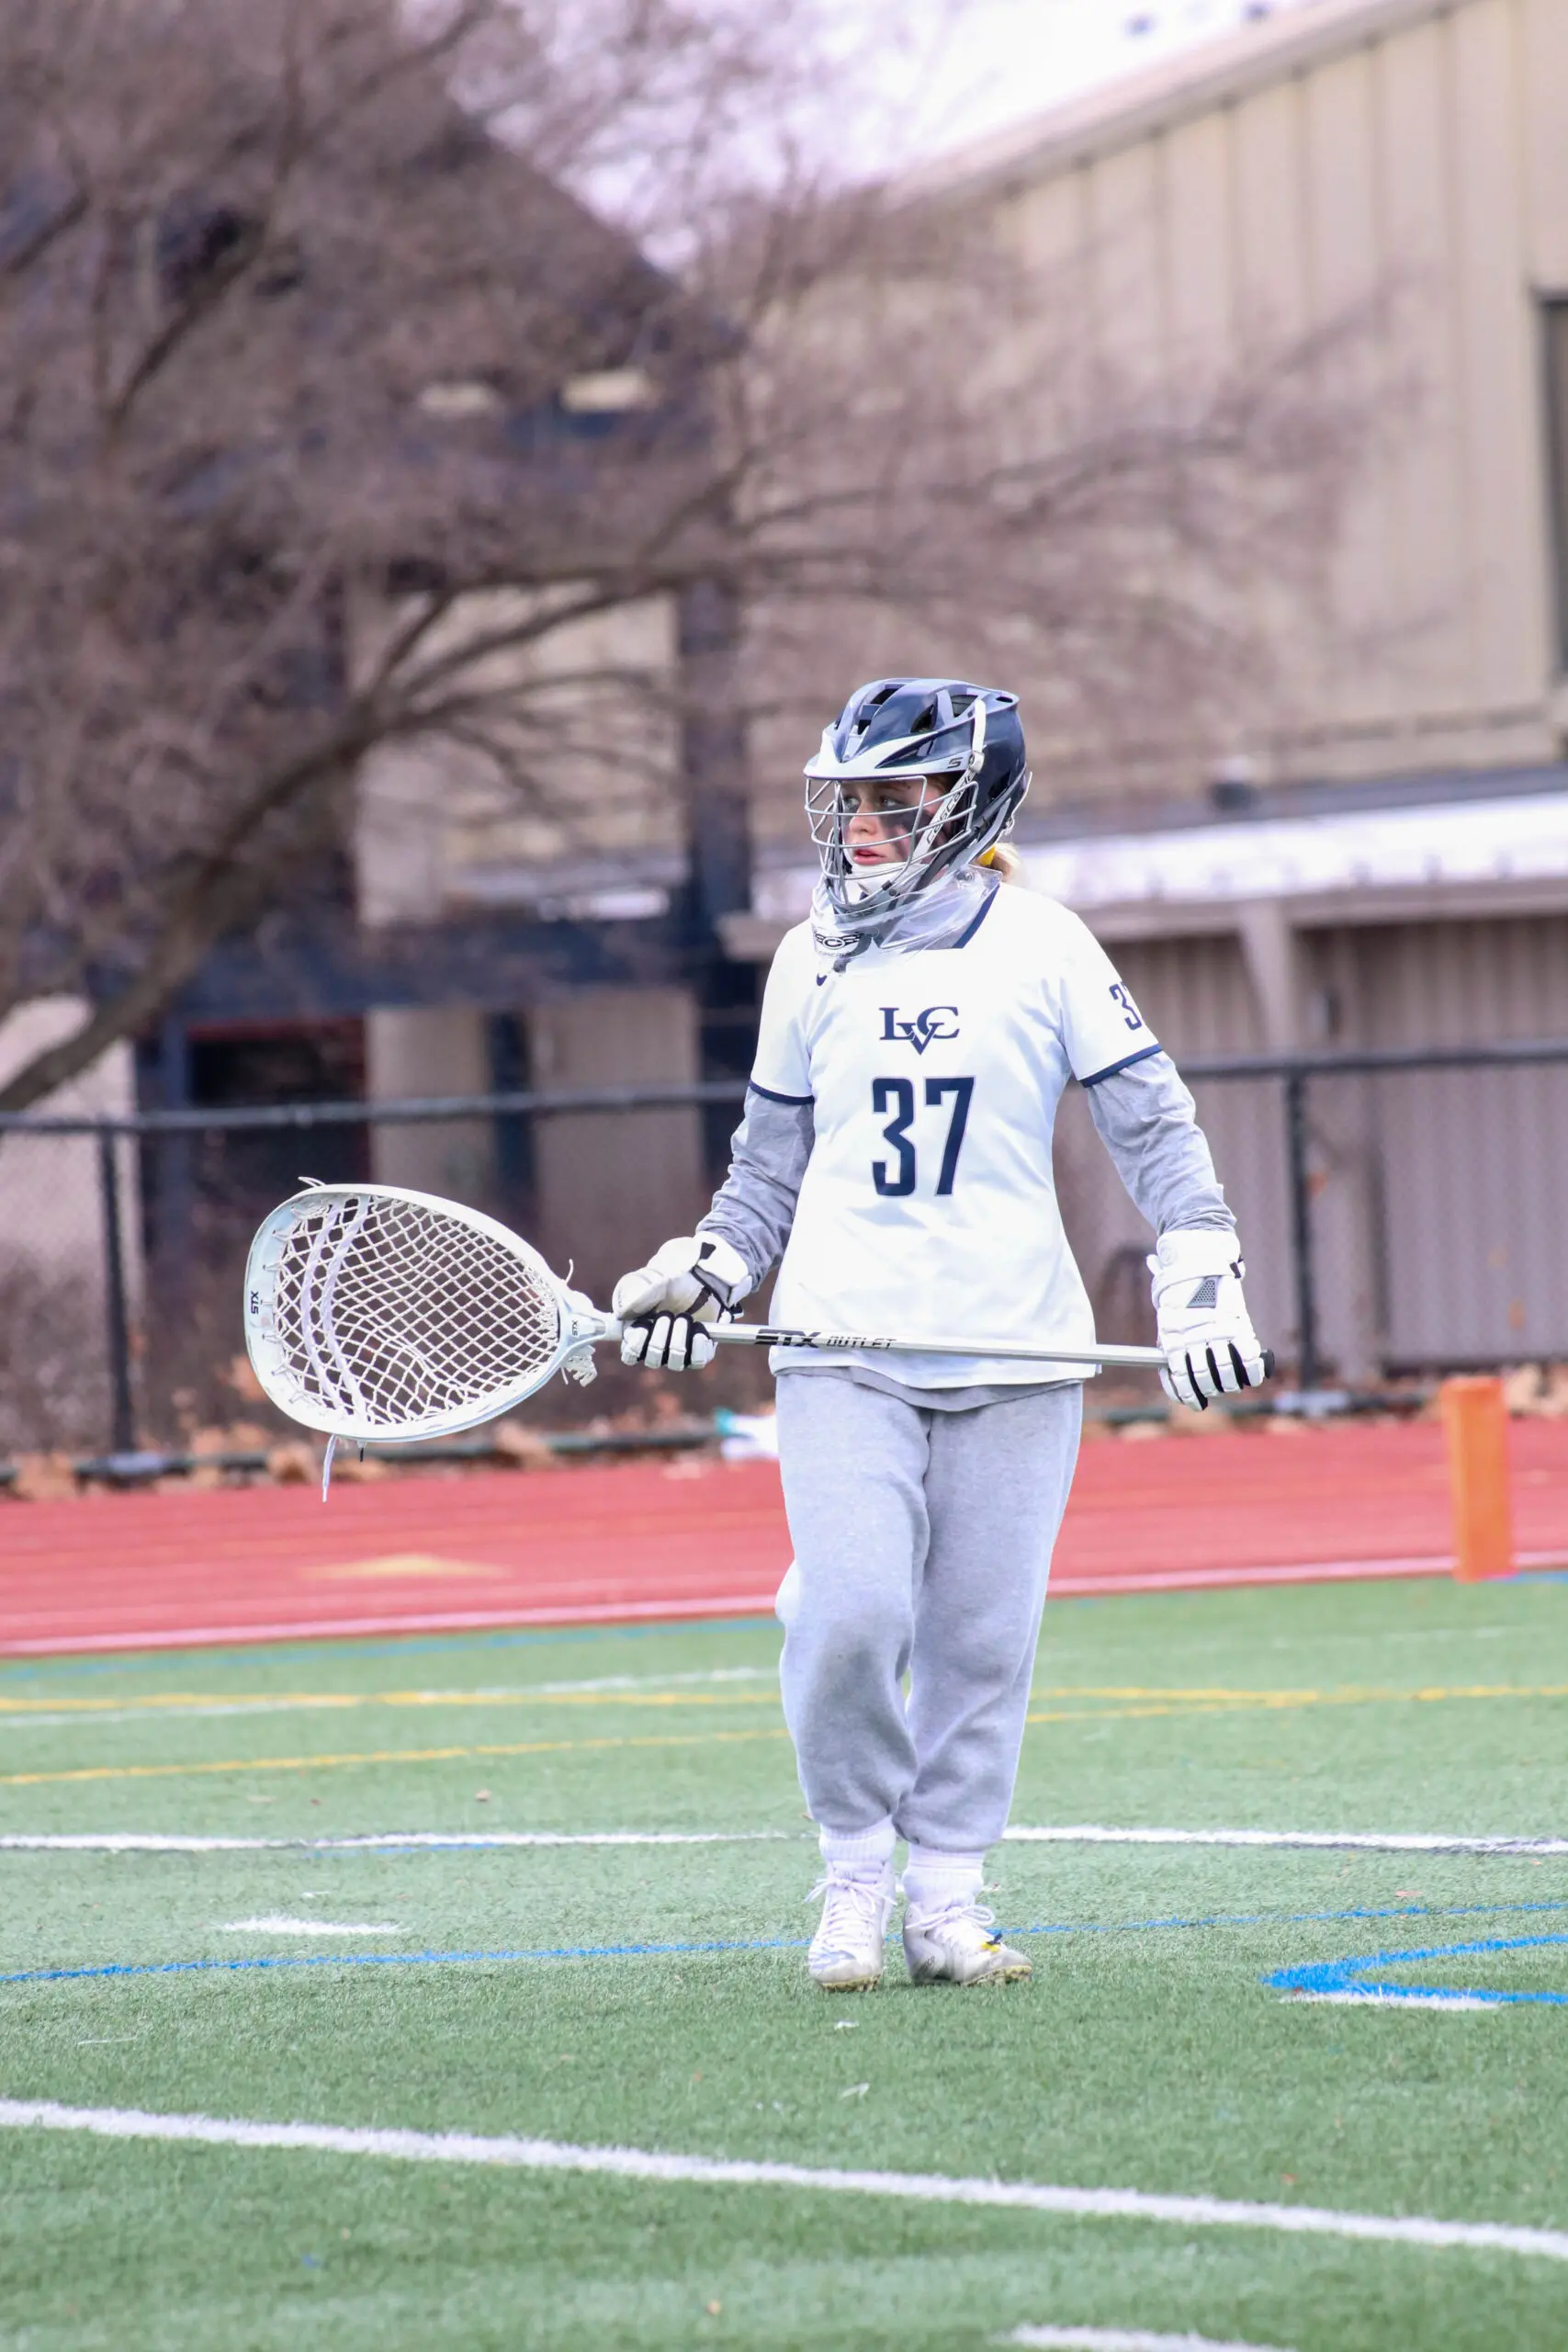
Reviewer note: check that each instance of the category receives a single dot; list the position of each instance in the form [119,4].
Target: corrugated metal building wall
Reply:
[1436,1196]
[1410,154]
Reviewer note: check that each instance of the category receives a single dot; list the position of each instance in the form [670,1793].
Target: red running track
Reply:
[699,1540]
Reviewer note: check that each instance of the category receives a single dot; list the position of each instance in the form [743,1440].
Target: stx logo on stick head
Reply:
[936,1021]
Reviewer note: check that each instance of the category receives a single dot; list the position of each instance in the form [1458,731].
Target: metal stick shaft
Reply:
[766,1335]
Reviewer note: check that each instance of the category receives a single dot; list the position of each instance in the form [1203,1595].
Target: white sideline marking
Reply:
[1400,2001]
[650,2163]
[711,1606]
[137,1841]
[1123,2339]
[278,1923]
[1397,1843]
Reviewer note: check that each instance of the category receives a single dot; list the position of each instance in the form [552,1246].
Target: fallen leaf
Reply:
[523,1448]
[293,1465]
[42,1478]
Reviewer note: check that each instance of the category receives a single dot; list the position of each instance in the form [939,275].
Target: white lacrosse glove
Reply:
[1211,1348]
[695,1281]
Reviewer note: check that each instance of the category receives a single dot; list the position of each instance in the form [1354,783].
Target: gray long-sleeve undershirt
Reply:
[1147,1122]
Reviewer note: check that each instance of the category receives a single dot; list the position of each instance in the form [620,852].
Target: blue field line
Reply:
[387,1960]
[1292,1918]
[1338,1978]
[1284,1979]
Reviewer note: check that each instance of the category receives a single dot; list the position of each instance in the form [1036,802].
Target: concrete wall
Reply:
[592,732]
[607,1187]
[50,1201]
[432,1051]
[54,1369]
[612,1186]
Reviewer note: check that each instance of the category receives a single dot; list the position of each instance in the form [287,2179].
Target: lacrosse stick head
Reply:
[375,1312]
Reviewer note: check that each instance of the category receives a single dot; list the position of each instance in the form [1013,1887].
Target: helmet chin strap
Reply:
[977,748]
[870,879]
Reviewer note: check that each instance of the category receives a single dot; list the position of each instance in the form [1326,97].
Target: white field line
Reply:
[137,1841]
[711,1607]
[279,1923]
[714,1606]
[1465,2001]
[1122,2339]
[1390,1843]
[55,1719]
[654,2165]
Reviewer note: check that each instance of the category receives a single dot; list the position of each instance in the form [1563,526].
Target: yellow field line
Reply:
[263,1702]
[1165,1701]
[1160,1703]
[1279,1702]
[375,1756]
[1297,1697]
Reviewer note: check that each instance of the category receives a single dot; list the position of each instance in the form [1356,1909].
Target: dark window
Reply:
[1554,318]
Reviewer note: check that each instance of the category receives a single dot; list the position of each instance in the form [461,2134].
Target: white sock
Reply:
[864,1852]
[932,1879]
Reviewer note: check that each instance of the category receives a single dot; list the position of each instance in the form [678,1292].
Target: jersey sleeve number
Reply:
[896,1180]
[1130,1014]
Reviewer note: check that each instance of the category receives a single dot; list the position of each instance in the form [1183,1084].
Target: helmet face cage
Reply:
[962,744]
[944,801]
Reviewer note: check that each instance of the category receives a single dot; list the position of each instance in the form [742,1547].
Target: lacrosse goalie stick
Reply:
[375,1314]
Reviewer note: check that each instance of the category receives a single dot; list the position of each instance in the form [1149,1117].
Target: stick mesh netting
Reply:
[390,1313]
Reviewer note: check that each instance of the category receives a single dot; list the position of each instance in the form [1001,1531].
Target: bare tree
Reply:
[944,472]
[332,410]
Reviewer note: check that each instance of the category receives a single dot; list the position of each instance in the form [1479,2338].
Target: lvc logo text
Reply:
[936,1021]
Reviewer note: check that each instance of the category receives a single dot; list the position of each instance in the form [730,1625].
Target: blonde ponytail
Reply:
[1004,862]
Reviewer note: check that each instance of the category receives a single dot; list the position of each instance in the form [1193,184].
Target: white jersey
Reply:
[929,1204]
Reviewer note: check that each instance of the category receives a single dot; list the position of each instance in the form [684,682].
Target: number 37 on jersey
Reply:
[945,1104]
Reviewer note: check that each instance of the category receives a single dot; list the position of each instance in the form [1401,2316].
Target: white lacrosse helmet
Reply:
[965,742]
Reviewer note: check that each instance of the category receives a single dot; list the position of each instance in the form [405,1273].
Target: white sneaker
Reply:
[851,1943]
[958,1945]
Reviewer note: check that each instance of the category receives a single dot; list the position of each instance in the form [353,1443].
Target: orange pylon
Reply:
[1475,1424]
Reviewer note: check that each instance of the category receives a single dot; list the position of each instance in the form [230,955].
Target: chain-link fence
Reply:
[1401,1213]
[1400,1210]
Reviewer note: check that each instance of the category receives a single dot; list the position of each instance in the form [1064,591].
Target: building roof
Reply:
[1420,855]
[1212,74]
[1441,845]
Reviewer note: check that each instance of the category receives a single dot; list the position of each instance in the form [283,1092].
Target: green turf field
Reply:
[543,1992]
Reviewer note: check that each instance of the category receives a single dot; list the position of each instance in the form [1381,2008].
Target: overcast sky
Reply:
[1014,58]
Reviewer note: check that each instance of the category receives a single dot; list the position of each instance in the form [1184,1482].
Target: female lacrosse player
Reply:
[916,1036]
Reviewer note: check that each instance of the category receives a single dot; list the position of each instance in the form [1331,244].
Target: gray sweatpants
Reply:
[923,1542]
